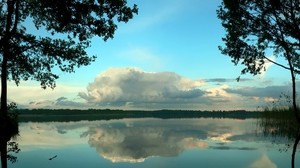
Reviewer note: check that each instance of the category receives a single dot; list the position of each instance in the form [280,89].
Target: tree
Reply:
[70,25]
[255,28]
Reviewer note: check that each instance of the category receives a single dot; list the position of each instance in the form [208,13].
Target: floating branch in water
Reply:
[53,157]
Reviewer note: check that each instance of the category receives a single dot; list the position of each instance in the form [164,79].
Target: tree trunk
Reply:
[294,92]
[6,54]
[295,109]
[4,155]
[4,116]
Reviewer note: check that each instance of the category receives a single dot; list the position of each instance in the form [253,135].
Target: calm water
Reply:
[153,143]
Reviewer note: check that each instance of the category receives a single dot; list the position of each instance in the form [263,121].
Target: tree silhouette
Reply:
[255,28]
[70,24]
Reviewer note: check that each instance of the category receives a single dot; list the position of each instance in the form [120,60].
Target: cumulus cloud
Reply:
[219,92]
[133,86]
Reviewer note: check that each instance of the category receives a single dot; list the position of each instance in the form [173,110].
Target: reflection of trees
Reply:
[295,149]
[7,146]
[9,129]
[281,124]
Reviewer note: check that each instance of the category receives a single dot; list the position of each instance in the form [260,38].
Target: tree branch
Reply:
[14,29]
[285,67]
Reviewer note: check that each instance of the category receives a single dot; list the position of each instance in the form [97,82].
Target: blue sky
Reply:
[166,57]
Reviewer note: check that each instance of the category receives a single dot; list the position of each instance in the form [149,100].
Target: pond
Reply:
[149,142]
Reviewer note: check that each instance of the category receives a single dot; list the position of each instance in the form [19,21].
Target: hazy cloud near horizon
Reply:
[133,88]
[268,91]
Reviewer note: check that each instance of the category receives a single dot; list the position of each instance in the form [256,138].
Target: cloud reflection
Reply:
[48,135]
[134,140]
[263,161]
[137,140]
[135,144]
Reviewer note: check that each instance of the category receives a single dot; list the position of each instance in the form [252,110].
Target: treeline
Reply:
[47,115]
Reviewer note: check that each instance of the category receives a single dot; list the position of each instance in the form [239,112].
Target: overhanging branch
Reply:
[285,67]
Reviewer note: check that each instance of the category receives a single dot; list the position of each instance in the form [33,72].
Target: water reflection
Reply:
[281,125]
[206,142]
[263,161]
[135,144]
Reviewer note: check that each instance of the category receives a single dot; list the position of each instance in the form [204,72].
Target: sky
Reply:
[166,57]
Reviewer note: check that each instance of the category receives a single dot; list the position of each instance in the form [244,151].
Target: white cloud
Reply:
[133,86]
[219,91]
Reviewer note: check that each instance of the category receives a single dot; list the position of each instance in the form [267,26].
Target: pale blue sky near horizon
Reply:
[168,40]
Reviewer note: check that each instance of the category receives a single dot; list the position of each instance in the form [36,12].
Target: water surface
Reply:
[130,143]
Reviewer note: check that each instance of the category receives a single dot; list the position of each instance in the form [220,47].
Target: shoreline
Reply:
[48,115]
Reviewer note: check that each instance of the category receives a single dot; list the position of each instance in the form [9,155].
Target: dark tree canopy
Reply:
[257,29]
[69,26]
[75,21]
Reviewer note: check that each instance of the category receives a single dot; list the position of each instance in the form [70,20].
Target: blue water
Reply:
[131,143]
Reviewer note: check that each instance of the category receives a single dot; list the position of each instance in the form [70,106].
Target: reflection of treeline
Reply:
[279,122]
[41,115]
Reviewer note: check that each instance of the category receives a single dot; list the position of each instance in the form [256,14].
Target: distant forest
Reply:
[47,115]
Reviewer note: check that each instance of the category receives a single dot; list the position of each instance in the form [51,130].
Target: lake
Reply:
[149,142]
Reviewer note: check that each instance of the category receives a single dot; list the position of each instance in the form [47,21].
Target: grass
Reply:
[279,122]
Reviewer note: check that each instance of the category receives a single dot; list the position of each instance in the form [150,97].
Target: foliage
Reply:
[13,125]
[12,132]
[257,29]
[12,147]
[68,27]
